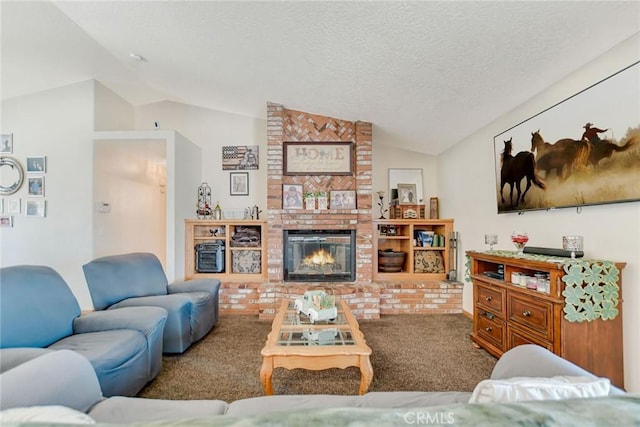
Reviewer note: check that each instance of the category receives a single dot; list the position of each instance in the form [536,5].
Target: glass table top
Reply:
[296,330]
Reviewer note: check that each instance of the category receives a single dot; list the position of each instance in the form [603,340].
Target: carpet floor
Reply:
[409,353]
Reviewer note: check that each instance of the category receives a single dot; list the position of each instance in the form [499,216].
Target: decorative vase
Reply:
[390,261]
[322,202]
[310,203]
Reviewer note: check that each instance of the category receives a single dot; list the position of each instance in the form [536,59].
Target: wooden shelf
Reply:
[403,240]
[204,231]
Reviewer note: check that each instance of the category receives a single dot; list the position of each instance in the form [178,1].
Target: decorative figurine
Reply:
[204,201]
[381,204]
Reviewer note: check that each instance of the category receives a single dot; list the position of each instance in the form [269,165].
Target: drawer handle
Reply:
[488,298]
[488,329]
[488,315]
[526,313]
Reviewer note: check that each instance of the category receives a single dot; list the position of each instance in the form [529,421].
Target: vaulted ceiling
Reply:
[426,73]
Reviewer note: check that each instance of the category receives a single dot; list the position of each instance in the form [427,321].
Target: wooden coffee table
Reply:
[295,343]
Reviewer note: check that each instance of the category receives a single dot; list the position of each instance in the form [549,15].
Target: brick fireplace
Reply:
[366,299]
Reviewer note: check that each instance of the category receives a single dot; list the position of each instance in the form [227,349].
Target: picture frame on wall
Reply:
[37,164]
[6,221]
[239,183]
[317,158]
[35,208]
[240,157]
[342,199]
[35,186]
[6,143]
[407,194]
[291,196]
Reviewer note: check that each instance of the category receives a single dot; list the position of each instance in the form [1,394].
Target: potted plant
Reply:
[309,200]
[323,201]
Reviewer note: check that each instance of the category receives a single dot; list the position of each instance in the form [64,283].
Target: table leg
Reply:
[366,374]
[266,372]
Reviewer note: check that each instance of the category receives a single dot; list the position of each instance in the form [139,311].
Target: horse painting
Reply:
[603,149]
[513,169]
[563,156]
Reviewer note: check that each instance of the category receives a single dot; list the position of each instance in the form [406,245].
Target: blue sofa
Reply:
[138,279]
[40,314]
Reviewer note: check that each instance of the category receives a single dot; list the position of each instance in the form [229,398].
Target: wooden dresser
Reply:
[507,314]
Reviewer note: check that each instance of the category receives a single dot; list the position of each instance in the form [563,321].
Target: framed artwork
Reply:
[342,199]
[36,186]
[6,221]
[6,143]
[36,164]
[239,183]
[317,158]
[407,194]
[13,206]
[584,150]
[240,157]
[35,208]
[291,196]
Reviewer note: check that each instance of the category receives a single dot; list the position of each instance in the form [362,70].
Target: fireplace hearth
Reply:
[319,255]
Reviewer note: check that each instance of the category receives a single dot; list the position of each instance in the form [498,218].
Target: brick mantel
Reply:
[296,126]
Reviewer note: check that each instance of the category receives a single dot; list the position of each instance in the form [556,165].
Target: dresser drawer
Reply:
[516,337]
[490,299]
[490,328]
[534,315]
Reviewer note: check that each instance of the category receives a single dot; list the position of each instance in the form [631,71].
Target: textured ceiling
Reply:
[426,74]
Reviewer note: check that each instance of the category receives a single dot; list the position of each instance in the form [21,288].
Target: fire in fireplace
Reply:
[319,255]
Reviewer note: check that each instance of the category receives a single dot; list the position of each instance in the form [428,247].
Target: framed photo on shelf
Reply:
[317,158]
[342,199]
[239,183]
[35,207]
[407,194]
[291,196]
[37,164]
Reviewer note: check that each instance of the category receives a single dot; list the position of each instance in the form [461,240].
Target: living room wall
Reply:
[467,193]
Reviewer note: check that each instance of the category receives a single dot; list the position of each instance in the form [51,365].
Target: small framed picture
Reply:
[36,186]
[291,196]
[36,164]
[13,206]
[342,199]
[6,221]
[407,194]
[35,208]
[6,143]
[239,183]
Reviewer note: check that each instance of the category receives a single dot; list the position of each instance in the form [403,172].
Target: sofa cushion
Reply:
[12,357]
[124,410]
[114,278]
[266,404]
[413,399]
[105,350]
[51,414]
[37,307]
[520,389]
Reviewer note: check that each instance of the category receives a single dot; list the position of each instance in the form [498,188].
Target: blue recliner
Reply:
[39,313]
[138,279]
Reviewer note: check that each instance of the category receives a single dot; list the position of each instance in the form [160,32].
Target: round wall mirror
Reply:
[11,175]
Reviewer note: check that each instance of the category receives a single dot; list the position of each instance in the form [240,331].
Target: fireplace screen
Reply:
[319,255]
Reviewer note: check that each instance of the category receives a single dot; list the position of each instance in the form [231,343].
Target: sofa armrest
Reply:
[531,360]
[211,286]
[144,319]
[61,377]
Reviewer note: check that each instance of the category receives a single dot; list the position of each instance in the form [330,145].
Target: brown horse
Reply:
[514,169]
[603,149]
[564,155]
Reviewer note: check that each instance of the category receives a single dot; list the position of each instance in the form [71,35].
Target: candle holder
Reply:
[573,244]
[381,204]
[490,239]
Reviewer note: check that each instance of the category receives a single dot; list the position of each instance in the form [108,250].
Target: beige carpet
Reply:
[410,352]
